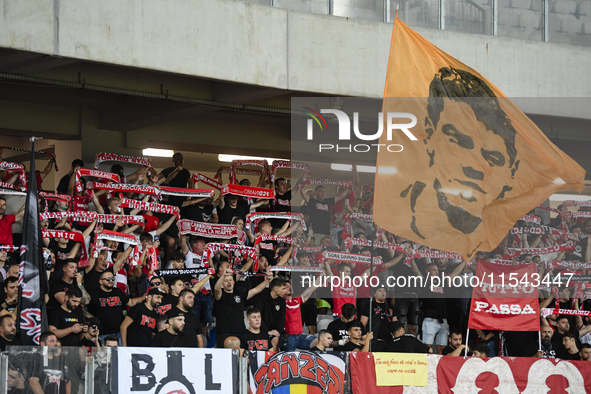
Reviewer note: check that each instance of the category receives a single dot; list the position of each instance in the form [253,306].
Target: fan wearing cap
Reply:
[173,336]
[139,325]
[91,336]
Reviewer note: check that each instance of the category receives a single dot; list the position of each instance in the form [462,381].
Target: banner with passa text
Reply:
[506,298]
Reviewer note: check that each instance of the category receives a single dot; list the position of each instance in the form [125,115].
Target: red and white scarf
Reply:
[125,219]
[248,191]
[56,197]
[96,174]
[515,252]
[571,203]
[9,188]
[197,177]
[531,218]
[562,264]
[353,258]
[212,248]
[78,216]
[288,164]
[124,188]
[177,191]
[576,214]
[335,182]
[14,167]
[148,206]
[237,163]
[134,257]
[256,217]
[241,171]
[71,236]
[102,157]
[211,230]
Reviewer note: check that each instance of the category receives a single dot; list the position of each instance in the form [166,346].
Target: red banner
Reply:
[506,298]
[469,375]
[248,191]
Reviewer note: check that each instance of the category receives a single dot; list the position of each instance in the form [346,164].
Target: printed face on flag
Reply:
[478,164]
[456,128]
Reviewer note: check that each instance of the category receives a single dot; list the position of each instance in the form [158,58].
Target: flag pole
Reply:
[467,336]
[539,340]
[370,326]
[32,275]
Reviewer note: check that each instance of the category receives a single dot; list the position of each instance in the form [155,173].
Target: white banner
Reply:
[175,370]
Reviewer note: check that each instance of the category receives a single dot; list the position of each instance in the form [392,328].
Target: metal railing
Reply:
[561,21]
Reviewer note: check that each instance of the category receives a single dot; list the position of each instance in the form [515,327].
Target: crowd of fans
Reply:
[118,299]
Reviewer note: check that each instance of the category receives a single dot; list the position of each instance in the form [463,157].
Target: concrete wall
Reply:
[260,45]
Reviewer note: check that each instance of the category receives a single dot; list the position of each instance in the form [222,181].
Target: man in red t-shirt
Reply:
[6,222]
[293,337]
[341,295]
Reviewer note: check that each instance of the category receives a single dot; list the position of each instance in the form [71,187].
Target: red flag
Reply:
[506,298]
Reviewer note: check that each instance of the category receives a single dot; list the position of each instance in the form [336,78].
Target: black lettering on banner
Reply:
[209,385]
[139,373]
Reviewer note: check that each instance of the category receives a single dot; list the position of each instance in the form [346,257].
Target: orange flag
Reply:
[478,164]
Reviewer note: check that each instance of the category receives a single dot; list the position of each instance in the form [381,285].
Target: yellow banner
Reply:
[401,369]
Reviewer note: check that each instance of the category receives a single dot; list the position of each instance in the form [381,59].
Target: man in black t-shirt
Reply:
[192,329]
[176,176]
[173,336]
[324,341]
[198,210]
[355,344]
[66,322]
[404,343]
[272,307]
[281,203]
[229,208]
[69,280]
[62,188]
[319,209]
[8,332]
[108,303]
[455,347]
[171,299]
[382,314]
[254,338]
[229,303]
[338,328]
[11,302]
[90,338]
[139,325]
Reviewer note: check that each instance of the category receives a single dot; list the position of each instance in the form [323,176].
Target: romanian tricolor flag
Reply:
[478,164]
